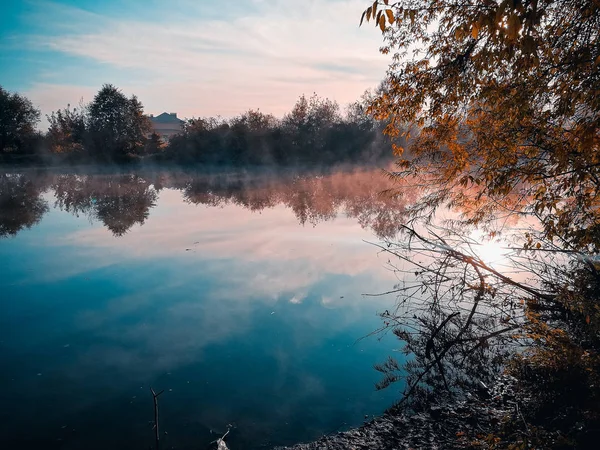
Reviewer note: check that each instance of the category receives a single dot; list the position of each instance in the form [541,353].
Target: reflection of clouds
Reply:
[176,229]
[151,336]
[155,331]
[207,300]
[297,299]
[254,259]
[194,276]
[260,313]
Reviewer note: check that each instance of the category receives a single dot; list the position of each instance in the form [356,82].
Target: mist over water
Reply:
[239,293]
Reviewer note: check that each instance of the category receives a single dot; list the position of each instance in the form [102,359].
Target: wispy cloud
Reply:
[221,61]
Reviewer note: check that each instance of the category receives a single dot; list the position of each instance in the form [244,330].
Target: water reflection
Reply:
[238,293]
[120,201]
[20,203]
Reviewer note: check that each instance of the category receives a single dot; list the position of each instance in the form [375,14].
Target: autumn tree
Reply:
[67,129]
[506,95]
[499,102]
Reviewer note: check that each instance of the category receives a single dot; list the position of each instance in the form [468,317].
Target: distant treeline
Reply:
[114,128]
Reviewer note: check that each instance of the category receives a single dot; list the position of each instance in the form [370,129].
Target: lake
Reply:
[238,293]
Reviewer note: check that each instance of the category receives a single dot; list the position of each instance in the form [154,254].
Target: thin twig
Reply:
[155,399]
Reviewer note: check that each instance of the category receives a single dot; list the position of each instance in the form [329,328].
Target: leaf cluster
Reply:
[505,95]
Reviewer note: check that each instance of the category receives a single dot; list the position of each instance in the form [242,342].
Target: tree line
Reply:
[114,128]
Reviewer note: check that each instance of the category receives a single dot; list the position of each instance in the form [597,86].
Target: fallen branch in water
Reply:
[156,431]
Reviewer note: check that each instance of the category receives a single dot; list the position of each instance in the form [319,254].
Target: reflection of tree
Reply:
[312,197]
[118,201]
[20,203]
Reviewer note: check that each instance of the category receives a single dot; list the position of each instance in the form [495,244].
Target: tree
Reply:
[499,101]
[308,123]
[256,121]
[117,124]
[507,98]
[154,144]
[249,137]
[67,130]
[18,118]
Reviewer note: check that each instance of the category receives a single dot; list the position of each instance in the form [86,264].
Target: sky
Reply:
[193,57]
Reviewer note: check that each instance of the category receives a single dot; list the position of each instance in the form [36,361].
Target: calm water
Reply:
[238,294]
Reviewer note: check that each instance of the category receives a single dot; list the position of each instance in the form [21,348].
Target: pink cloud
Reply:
[198,66]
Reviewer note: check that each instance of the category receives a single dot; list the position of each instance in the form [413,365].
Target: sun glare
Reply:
[491,251]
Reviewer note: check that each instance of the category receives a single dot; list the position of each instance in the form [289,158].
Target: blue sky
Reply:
[195,57]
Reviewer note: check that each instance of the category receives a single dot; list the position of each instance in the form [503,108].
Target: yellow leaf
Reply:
[475,31]
[514,26]
[362,18]
[369,10]
[374,8]
[382,23]
[390,16]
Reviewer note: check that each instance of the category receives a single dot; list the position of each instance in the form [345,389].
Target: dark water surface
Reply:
[238,294]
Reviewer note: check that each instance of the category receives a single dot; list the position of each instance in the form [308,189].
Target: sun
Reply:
[491,251]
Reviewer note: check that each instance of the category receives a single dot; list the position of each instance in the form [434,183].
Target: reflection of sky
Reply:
[246,316]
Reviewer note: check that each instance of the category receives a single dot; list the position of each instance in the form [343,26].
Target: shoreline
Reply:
[459,424]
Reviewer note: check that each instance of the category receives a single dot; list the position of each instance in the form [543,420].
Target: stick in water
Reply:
[155,398]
